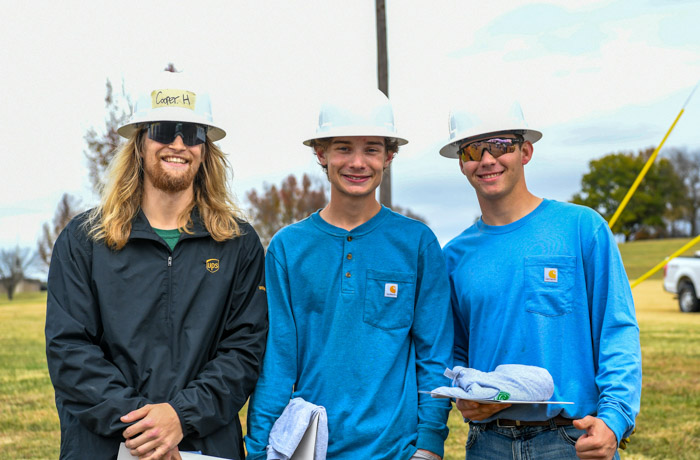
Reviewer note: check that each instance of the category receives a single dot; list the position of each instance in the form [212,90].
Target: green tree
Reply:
[649,209]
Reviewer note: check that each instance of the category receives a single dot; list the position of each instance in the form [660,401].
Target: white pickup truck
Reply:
[682,277]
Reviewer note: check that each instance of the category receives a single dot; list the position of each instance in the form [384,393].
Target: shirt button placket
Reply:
[348,280]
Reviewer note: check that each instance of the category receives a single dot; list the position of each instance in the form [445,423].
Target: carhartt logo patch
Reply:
[391,290]
[212,265]
[551,275]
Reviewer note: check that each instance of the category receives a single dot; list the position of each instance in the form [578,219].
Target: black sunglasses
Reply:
[165,132]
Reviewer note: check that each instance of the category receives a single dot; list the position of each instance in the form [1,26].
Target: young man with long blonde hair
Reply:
[157,315]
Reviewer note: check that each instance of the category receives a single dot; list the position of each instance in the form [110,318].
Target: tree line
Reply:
[666,203]
[269,210]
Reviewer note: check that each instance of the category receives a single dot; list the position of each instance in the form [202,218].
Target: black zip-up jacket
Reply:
[146,325]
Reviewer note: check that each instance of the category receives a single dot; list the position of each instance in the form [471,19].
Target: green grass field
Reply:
[641,256]
[667,428]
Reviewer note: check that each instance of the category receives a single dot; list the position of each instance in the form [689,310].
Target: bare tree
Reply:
[408,213]
[68,207]
[14,263]
[278,207]
[687,166]
[103,144]
[101,147]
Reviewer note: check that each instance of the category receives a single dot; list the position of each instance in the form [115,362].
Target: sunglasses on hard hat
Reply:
[496,147]
[165,132]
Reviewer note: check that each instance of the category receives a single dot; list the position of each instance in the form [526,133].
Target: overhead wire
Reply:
[633,189]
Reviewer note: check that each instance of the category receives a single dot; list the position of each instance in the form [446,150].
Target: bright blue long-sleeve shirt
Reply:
[550,290]
[359,322]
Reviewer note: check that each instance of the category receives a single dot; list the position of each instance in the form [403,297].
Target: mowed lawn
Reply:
[667,428]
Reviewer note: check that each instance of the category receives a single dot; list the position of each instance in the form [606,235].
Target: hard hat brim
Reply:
[348,131]
[449,150]
[214,133]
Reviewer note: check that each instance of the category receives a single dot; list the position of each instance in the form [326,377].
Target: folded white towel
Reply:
[290,428]
[516,382]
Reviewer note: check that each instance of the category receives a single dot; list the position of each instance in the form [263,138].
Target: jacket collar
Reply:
[141,228]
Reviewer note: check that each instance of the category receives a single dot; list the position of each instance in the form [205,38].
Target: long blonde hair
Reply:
[121,196]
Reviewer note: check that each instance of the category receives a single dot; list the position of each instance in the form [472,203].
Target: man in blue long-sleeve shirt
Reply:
[359,305]
[541,283]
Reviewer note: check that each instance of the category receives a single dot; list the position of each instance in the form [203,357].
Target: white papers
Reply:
[124,454]
[436,394]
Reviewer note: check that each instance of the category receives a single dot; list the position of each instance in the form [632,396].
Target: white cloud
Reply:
[269,64]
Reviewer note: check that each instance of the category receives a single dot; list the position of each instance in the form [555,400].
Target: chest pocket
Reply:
[549,283]
[389,299]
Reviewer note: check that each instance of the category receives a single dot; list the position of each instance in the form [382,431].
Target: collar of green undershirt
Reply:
[171,237]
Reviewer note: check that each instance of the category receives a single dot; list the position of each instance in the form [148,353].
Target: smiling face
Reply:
[171,167]
[355,164]
[498,178]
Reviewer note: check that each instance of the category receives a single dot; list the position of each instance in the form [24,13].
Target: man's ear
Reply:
[527,150]
[321,155]
[389,157]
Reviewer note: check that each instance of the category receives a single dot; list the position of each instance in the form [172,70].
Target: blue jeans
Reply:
[490,442]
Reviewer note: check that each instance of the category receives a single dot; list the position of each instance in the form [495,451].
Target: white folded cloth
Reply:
[290,428]
[516,382]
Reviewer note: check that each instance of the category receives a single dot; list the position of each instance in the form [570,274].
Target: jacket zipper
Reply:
[170,296]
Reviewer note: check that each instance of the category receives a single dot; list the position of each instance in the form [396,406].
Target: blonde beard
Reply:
[166,182]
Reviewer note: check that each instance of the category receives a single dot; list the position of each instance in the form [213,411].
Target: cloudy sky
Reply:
[596,76]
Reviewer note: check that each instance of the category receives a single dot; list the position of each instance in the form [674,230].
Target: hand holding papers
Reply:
[124,454]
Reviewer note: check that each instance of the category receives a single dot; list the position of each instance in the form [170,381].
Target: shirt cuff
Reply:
[185,429]
[616,421]
[431,441]
[255,450]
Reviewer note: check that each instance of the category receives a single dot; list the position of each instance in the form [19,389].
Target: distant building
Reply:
[26,285]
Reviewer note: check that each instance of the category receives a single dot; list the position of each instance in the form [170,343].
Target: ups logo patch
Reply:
[212,265]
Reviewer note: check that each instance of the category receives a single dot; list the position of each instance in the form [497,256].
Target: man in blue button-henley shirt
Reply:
[359,308]
[540,283]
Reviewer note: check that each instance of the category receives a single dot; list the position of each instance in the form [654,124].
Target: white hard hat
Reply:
[464,126]
[172,98]
[357,113]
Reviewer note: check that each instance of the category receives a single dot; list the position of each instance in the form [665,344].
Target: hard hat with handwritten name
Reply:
[172,98]
[495,120]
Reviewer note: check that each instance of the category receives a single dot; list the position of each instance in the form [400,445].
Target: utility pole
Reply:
[383,85]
